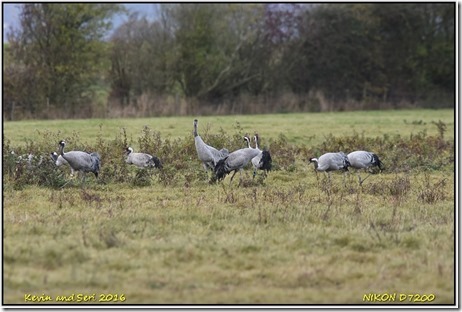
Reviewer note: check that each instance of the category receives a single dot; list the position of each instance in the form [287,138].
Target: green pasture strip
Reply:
[289,241]
[300,128]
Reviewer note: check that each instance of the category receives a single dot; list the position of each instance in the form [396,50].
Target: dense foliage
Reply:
[417,153]
[228,58]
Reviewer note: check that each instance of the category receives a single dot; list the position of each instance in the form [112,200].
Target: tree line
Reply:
[66,61]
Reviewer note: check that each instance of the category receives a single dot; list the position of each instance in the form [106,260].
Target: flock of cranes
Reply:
[219,162]
[340,161]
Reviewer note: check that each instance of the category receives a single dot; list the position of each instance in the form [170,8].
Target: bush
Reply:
[181,165]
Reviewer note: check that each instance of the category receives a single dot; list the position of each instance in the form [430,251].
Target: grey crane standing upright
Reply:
[209,155]
[142,160]
[331,162]
[263,160]
[60,161]
[364,160]
[235,161]
[81,161]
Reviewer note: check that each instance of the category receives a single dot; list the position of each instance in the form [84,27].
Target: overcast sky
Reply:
[11,14]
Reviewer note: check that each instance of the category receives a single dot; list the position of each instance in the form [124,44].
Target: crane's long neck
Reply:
[195,129]
[128,156]
[256,142]
[248,141]
[61,149]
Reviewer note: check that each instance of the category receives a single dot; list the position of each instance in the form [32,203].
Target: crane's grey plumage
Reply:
[81,161]
[331,162]
[209,155]
[235,161]
[60,161]
[263,160]
[142,160]
[364,160]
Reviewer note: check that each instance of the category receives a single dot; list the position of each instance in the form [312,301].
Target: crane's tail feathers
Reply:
[376,161]
[155,162]
[95,163]
[220,169]
[266,161]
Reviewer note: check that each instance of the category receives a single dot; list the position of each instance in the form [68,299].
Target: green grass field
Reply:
[298,128]
[291,238]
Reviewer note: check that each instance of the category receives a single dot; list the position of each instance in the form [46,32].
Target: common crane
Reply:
[60,161]
[331,162]
[30,160]
[235,161]
[81,161]
[142,160]
[263,160]
[209,155]
[364,160]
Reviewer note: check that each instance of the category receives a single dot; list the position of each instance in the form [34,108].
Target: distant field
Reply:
[171,237]
[307,128]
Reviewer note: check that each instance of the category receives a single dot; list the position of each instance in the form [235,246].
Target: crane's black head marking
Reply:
[247,140]
[54,156]
[128,150]
[313,159]
[62,142]
[195,128]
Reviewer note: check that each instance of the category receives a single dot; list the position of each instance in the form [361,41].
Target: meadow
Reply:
[171,237]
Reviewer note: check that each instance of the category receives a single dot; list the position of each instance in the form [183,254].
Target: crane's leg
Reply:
[83,179]
[232,177]
[317,177]
[361,181]
[327,174]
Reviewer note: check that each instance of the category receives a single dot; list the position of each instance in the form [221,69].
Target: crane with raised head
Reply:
[209,155]
[81,161]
